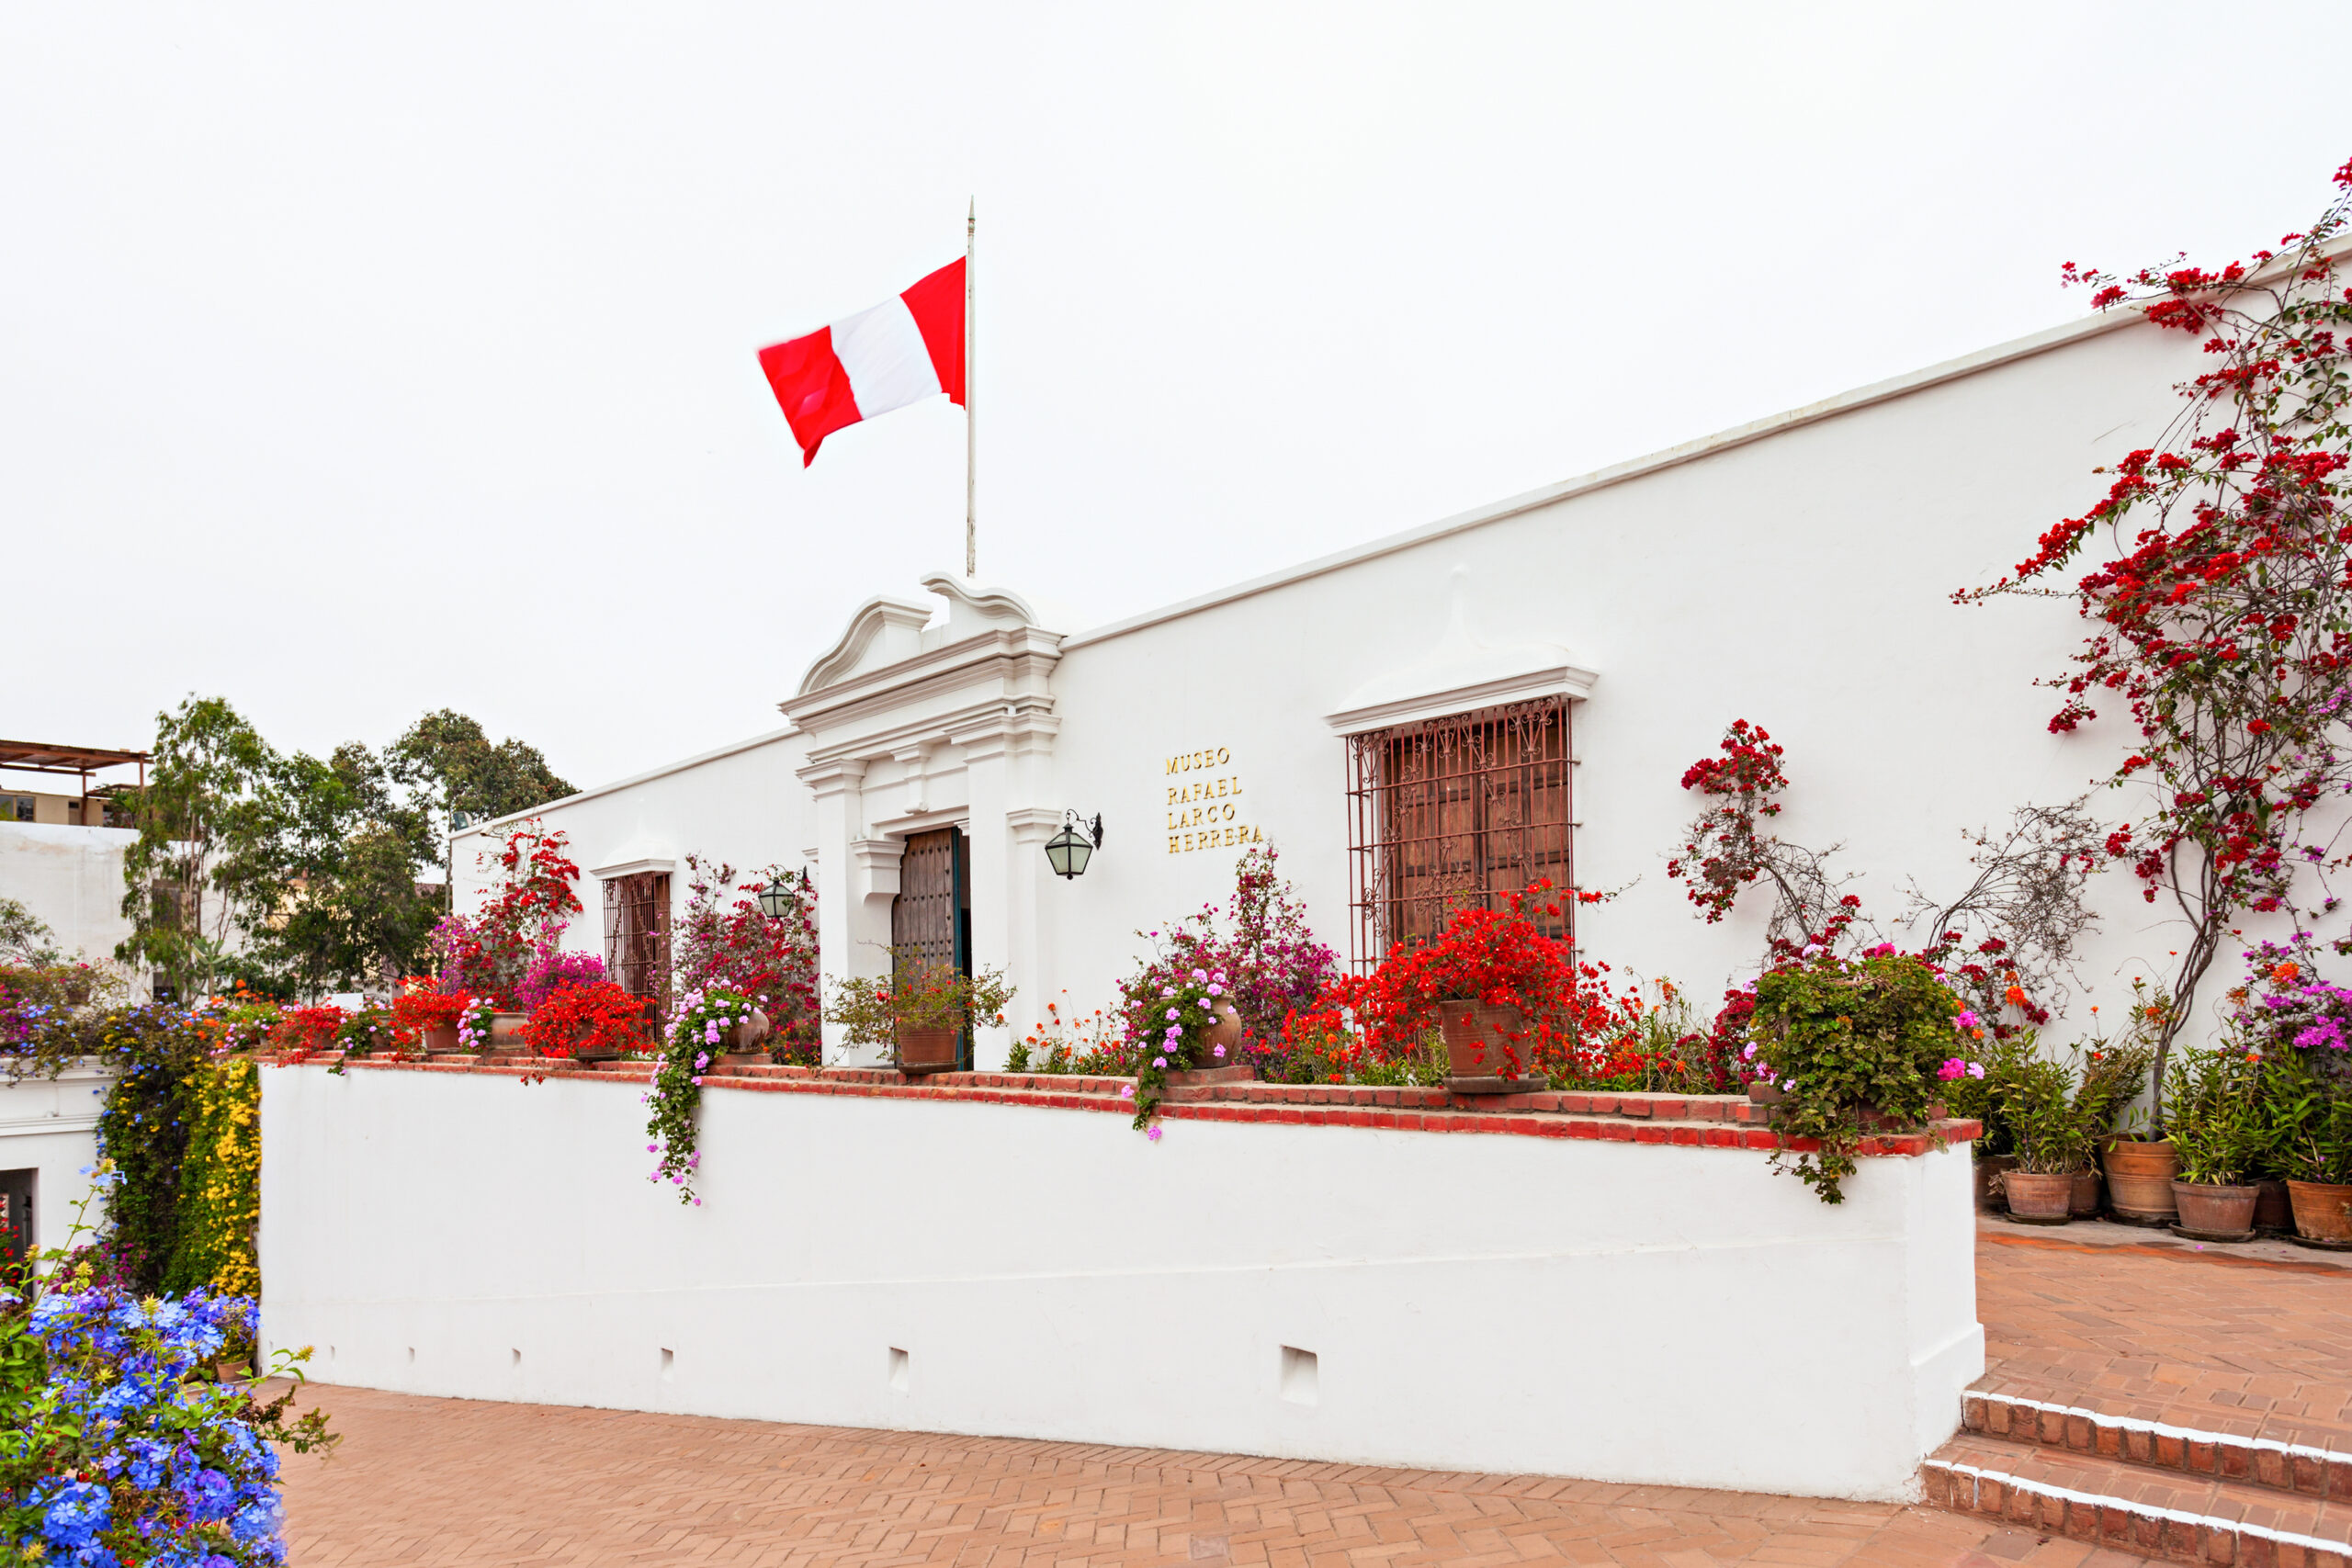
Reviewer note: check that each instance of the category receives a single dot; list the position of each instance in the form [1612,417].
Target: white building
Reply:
[1796,572]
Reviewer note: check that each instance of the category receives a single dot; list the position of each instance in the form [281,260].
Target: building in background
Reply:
[60,852]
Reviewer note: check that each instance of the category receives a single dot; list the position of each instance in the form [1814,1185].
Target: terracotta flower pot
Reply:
[1477,1046]
[746,1034]
[927,1050]
[2139,1180]
[506,1031]
[2274,1215]
[2214,1213]
[2039,1199]
[441,1040]
[1989,1194]
[2085,1206]
[1225,1033]
[2323,1210]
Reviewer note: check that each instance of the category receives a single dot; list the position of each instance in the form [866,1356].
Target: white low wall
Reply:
[1611,1310]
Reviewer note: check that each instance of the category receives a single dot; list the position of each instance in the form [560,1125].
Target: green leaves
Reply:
[1843,1036]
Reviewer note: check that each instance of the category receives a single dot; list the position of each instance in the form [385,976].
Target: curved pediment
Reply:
[884,631]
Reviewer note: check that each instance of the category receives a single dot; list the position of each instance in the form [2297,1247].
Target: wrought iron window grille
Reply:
[1454,813]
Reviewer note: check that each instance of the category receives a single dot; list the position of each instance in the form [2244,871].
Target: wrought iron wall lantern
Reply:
[785,891]
[1068,851]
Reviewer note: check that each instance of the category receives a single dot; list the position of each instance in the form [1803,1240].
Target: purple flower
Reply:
[1160,1062]
[1152,1132]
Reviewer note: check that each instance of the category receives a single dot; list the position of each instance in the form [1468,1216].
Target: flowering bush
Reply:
[739,948]
[2220,618]
[416,1014]
[2284,1003]
[550,971]
[590,1020]
[368,1030]
[1845,1036]
[1272,963]
[1504,958]
[533,902]
[119,1448]
[303,1031]
[697,1032]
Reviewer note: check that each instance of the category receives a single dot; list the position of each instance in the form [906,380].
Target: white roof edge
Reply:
[1618,473]
[651,774]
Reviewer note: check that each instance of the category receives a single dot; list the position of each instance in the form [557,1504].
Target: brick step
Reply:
[2162,1447]
[2167,1516]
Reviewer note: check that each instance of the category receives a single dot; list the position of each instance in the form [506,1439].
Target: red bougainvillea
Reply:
[1723,852]
[2223,620]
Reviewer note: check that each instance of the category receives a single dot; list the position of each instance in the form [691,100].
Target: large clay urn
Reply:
[1220,1047]
[2322,1211]
[2139,1180]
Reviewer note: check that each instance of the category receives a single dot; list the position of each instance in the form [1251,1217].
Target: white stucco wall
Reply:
[49,1126]
[1612,1311]
[71,878]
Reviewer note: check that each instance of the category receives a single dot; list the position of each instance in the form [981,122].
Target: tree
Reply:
[2224,618]
[194,881]
[341,858]
[25,938]
[450,766]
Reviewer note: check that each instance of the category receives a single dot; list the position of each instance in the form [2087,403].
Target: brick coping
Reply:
[1687,1121]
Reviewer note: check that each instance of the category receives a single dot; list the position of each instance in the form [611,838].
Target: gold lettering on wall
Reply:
[1205,813]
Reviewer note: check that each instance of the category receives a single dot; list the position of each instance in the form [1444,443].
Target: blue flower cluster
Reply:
[129,1456]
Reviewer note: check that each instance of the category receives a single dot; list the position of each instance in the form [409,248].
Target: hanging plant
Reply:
[591,1019]
[696,1033]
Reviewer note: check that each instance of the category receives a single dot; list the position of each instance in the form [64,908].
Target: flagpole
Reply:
[971,432]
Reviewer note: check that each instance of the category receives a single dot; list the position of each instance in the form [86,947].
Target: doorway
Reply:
[15,1222]
[930,919]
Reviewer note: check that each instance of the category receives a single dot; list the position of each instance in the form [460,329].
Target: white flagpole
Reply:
[971,431]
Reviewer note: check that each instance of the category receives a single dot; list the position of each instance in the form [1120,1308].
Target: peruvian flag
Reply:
[900,352]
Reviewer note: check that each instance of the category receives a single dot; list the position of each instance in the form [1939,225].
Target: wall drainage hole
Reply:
[898,1360]
[1299,1376]
[518,1357]
[411,1355]
[669,1364]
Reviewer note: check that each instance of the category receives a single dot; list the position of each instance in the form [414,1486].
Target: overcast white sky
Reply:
[360,361]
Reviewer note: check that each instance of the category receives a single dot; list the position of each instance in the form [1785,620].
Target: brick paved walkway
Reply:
[425,1482]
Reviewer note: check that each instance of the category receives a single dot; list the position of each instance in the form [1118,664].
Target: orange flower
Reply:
[2287,974]
[2015,996]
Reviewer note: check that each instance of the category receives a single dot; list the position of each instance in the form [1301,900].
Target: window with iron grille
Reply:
[1453,813]
[637,933]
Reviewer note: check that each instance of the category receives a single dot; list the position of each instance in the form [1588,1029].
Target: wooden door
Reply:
[931,917]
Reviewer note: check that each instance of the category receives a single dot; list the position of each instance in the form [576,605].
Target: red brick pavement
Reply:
[426,1482]
[2256,1345]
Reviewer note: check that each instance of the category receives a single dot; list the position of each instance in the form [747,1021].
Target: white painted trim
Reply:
[634,867]
[1560,681]
[33,1126]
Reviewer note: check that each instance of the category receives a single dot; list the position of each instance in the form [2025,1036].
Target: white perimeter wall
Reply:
[50,1127]
[1617,1312]
[71,878]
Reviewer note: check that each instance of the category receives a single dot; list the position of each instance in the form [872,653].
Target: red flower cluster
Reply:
[1724,853]
[1503,957]
[594,1018]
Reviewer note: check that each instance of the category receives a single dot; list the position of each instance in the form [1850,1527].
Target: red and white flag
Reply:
[900,352]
